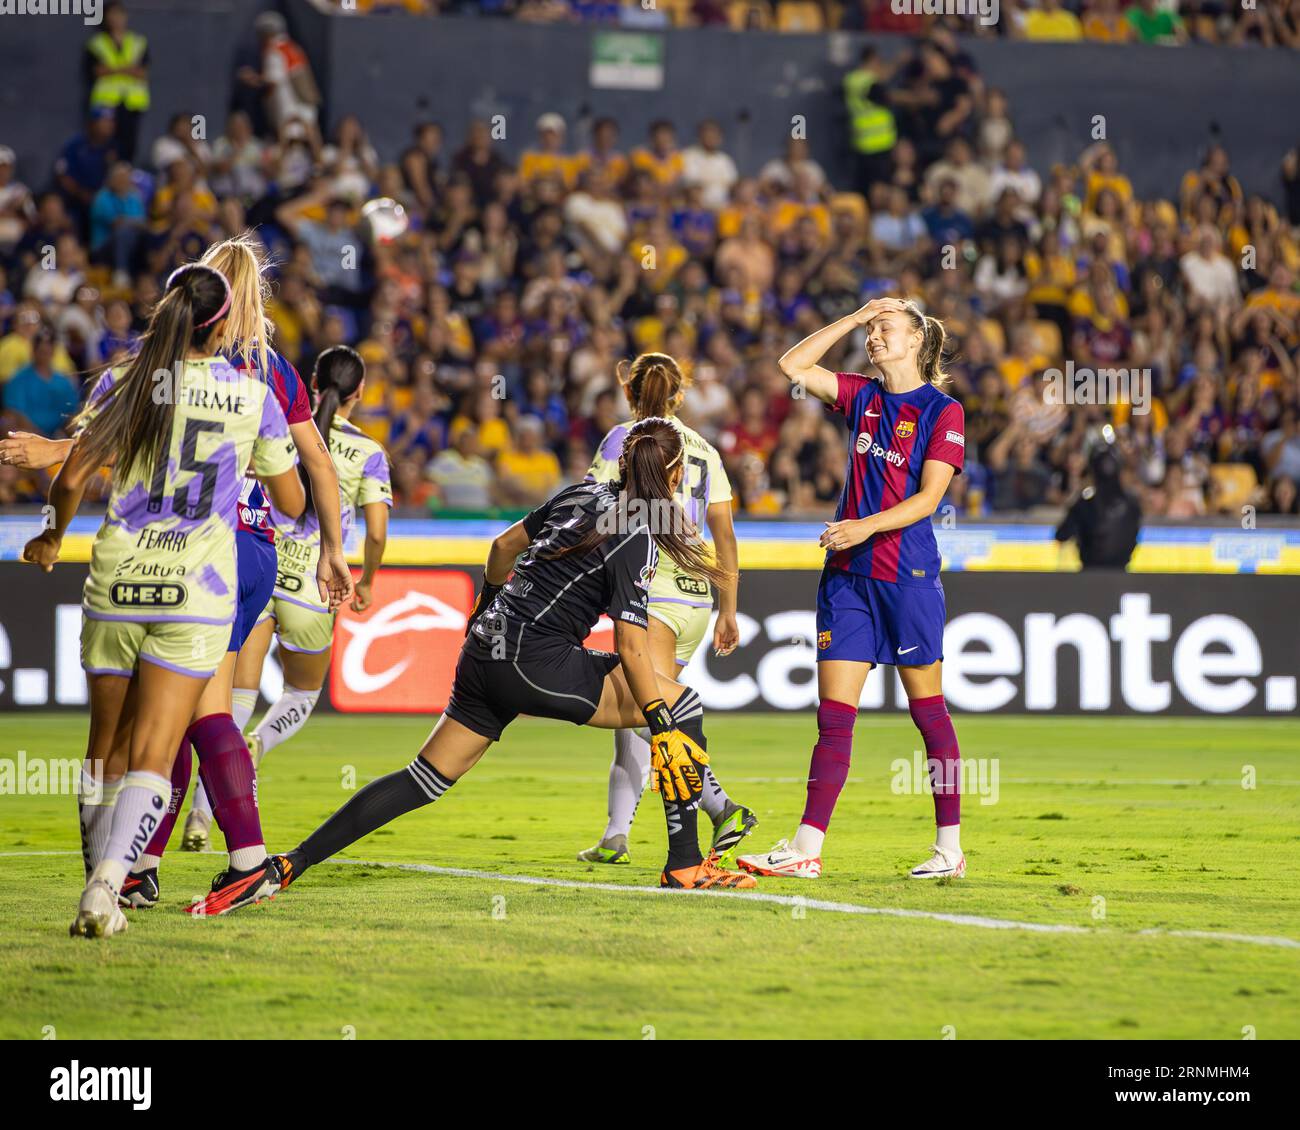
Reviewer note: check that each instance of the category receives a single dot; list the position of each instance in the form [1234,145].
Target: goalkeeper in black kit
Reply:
[592,548]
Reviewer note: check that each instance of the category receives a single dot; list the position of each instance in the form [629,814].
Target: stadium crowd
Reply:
[493,326]
[1274,23]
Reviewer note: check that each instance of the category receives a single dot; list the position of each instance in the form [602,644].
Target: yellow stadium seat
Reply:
[799,16]
[1234,484]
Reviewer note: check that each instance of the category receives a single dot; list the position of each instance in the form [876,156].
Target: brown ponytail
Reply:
[653,384]
[930,357]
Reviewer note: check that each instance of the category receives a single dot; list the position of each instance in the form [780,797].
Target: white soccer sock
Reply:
[243,702]
[246,858]
[141,803]
[288,715]
[714,798]
[808,840]
[95,809]
[949,837]
[628,773]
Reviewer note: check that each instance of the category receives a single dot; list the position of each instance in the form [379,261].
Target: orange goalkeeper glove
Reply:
[676,760]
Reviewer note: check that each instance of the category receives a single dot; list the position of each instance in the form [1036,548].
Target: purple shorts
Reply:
[864,620]
[255,561]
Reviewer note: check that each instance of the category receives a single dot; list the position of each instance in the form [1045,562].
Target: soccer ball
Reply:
[383,220]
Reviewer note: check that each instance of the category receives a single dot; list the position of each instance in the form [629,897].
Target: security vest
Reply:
[871,124]
[126,91]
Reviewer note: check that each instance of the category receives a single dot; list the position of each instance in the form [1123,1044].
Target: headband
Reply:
[225,305]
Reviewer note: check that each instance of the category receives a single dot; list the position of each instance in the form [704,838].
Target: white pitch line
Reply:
[975,920]
[822,904]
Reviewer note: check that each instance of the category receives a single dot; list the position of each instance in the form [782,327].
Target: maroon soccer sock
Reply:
[942,756]
[182,767]
[226,770]
[829,768]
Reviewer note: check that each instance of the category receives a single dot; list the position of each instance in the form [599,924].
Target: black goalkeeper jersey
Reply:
[557,600]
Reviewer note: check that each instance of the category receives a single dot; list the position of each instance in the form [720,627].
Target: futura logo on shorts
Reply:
[867,445]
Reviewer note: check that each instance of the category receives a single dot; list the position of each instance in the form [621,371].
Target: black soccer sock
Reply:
[683,818]
[379,803]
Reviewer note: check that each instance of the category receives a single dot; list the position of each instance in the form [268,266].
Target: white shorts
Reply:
[688,622]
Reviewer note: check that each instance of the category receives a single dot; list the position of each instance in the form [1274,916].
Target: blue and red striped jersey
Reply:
[891,435]
[291,391]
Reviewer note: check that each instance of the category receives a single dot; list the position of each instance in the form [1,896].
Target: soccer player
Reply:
[215,733]
[303,623]
[880,599]
[245,339]
[679,604]
[592,548]
[160,597]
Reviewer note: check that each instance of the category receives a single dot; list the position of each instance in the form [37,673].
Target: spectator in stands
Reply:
[660,157]
[1209,275]
[334,245]
[39,394]
[706,165]
[117,72]
[1153,23]
[461,477]
[1104,22]
[527,472]
[285,78]
[1051,21]
[17,209]
[873,131]
[547,159]
[83,164]
[117,223]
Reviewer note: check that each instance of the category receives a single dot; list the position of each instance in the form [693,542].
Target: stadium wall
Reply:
[1161,105]
[1093,643]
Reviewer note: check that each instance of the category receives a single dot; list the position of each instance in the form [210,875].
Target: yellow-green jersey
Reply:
[166,549]
[362,466]
[703,483]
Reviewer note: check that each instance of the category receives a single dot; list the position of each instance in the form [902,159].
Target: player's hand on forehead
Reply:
[878,306]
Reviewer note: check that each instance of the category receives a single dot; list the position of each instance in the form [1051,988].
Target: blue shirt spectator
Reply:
[45,397]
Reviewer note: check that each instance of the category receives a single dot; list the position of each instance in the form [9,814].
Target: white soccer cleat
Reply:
[98,915]
[943,864]
[782,861]
[195,836]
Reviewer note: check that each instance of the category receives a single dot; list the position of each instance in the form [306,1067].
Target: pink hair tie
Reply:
[225,282]
[220,313]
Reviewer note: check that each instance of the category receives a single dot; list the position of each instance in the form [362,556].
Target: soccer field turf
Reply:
[1132,842]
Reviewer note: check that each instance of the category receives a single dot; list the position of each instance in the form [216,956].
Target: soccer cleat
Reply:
[195,836]
[943,864]
[736,823]
[784,861]
[139,892]
[232,889]
[98,915]
[612,849]
[706,874]
[255,750]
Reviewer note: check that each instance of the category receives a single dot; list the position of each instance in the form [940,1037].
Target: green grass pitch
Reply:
[1138,835]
